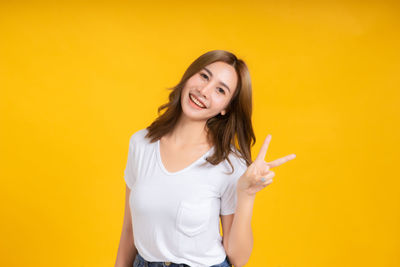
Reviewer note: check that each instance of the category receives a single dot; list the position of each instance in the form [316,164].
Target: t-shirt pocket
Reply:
[192,221]
[193,218]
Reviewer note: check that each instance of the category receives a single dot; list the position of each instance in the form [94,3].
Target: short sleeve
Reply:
[129,172]
[228,196]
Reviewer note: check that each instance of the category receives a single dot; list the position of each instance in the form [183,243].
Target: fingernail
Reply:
[263,179]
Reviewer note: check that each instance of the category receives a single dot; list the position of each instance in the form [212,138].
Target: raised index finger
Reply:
[264,148]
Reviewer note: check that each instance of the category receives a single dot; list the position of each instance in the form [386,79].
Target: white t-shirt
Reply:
[175,216]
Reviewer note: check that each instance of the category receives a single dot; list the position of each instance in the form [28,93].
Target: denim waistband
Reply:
[141,262]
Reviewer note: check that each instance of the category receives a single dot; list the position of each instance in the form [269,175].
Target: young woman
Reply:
[192,167]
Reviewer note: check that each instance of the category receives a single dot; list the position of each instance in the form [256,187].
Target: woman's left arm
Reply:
[256,177]
[240,242]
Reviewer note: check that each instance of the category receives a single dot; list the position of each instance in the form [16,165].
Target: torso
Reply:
[176,158]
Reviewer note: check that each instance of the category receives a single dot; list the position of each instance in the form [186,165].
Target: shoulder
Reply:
[238,162]
[238,158]
[138,136]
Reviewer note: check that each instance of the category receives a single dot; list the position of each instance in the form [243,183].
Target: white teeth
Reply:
[196,101]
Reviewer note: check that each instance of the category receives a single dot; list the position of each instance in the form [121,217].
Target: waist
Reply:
[141,262]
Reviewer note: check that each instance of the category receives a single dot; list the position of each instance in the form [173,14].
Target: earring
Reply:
[222,113]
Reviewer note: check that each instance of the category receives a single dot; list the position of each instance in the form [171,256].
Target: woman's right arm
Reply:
[126,250]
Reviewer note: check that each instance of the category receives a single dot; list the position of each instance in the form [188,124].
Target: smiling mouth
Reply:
[196,101]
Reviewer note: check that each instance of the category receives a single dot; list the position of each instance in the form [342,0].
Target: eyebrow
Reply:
[209,72]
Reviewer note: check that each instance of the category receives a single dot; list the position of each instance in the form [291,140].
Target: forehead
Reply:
[224,72]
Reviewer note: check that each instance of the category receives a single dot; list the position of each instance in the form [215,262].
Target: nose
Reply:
[206,89]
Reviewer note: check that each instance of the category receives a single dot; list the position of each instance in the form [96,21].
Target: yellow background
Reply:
[77,79]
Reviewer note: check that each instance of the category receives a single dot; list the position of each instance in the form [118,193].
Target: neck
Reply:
[189,132]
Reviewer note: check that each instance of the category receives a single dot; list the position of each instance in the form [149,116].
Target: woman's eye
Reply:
[219,88]
[204,75]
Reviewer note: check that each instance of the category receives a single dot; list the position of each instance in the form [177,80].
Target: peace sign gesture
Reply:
[257,176]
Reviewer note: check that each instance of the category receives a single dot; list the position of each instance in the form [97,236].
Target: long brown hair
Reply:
[232,129]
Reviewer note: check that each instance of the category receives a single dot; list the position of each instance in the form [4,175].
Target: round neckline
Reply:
[182,170]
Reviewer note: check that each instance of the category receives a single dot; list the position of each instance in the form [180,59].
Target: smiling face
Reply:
[211,90]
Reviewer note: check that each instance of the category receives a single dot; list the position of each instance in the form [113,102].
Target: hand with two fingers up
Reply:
[258,174]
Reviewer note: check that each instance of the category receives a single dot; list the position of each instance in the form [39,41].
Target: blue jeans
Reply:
[141,262]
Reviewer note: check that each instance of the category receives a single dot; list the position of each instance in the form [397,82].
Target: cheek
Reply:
[193,81]
[186,88]
[219,102]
